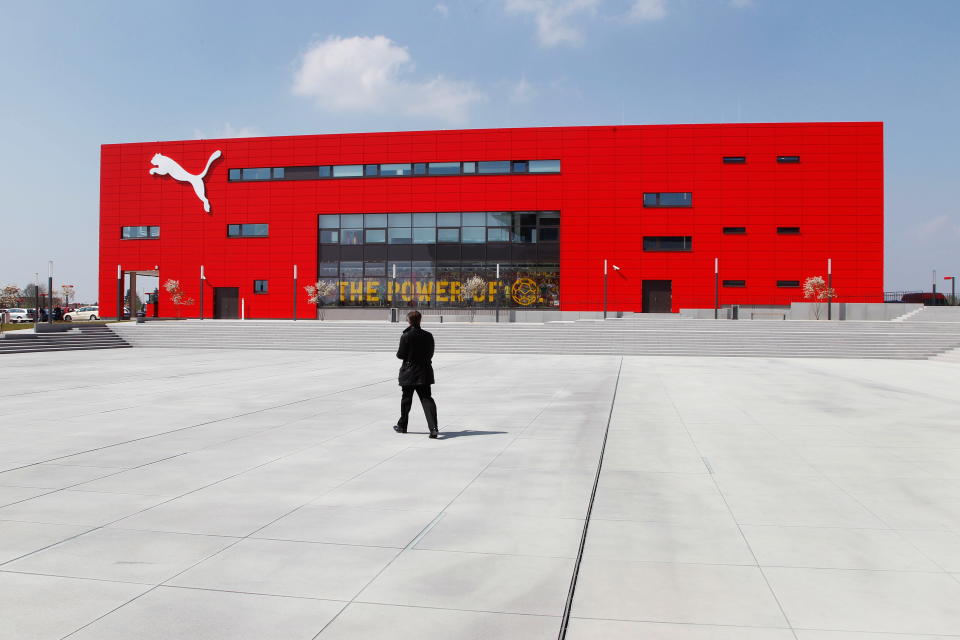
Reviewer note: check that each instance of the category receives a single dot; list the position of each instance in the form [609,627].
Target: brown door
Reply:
[226,302]
[657,297]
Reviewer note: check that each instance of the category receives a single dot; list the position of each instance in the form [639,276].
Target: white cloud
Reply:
[523,92]
[228,131]
[555,18]
[647,10]
[442,9]
[372,74]
[932,227]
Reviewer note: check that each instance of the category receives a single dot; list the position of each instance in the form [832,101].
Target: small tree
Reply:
[176,295]
[472,289]
[10,296]
[66,290]
[318,291]
[815,288]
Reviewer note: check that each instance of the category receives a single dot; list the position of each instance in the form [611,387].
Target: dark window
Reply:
[351,236]
[330,236]
[324,172]
[549,234]
[248,230]
[788,159]
[420,168]
[668,199]
[734,283]
[734,231]
[375,268]
[788,231]
[328,269]
[734,159]
[235,174]
[301,173]
[444,168]
[667,243]
[544,166]
[259,286]
[519,167]
[137,233]
[788,283]
[256,174]
[371,170]
[496,166]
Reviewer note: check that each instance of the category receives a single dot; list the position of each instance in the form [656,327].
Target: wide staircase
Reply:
[76,339]
[643,335]
[934,314]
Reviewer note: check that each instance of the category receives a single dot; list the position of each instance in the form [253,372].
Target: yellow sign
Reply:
[524,291]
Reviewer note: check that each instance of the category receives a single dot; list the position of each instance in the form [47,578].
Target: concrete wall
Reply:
[852,310]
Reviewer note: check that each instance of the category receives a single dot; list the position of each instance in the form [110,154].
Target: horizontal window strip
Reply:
[395,170]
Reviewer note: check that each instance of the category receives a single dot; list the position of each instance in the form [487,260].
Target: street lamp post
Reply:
[829,287]
[604,289]
[294,293]
[933,298]
[119,293]
[496,294]
[36,302]
[953,288]
[49,291]
[203,277]
[716,288]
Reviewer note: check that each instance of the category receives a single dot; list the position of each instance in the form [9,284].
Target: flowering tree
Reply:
[67,291]
[318,291]
[475,287]
[176,295]
[10,296]
[815,288]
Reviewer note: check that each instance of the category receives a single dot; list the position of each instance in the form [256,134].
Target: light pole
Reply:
[203,277]
[294,293]
[604,289]
[953,289]
[829,286]
[36,302]
[49,291]
[496,294]
[716,288]
[119,293]
[933,298]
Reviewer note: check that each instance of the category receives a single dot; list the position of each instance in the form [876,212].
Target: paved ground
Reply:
[163,494]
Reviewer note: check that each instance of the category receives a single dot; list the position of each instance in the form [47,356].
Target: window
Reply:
[788,231]
[351,269]
[351,236]
[496,166]
[328,221]
[400,235]
[671,199]
[330,236]
[420,168]
[376,236]
[137,233]
[277,175]
[498,234]
[667,243]
[424,235]
[734,159]
[375,268]
[734,283]
[371,170]
[549,234]
[444,168]
[424,219]
[734,231]
[499,219]
[351,220]
[544,166]
[448,219]
[324,172]
[469,167]
[348,171]
[474,219]
[374,220]
[256,174]
[473,235]
[399,219]
[259,286]
[236,174]
[518,167]
[248,230]
[788,159]
[448,235]
[788,283]
[401,169]
[328,269]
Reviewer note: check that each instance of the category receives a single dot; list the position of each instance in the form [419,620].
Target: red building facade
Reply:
[400,219]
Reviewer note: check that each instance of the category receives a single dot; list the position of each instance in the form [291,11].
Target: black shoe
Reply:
[433,434]
[399,429]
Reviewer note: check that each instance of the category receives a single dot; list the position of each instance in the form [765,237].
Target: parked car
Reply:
[83,313]
[927,298]
[19,315]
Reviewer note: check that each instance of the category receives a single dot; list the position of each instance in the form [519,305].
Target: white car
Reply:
[83,313]
[19,315]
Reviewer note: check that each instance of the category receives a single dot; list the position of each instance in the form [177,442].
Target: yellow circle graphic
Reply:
[524,291]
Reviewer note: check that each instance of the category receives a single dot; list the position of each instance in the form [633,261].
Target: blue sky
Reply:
[75,75]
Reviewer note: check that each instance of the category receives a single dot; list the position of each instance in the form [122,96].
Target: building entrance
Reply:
[226,303]
[657,296]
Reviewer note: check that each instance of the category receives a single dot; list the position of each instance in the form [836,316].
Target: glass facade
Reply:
[423,258]
[137,233]
[394,170]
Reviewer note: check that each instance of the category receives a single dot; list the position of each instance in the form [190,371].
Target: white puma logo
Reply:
[168,167]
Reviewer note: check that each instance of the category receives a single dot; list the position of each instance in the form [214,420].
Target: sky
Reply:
[75,75]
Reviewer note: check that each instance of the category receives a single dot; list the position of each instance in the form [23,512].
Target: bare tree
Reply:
[318,291]
[176,295]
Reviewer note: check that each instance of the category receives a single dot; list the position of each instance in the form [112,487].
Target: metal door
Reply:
[657,296]
[226,302]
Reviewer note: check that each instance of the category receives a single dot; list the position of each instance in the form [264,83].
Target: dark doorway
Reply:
[657,296]
[226,302]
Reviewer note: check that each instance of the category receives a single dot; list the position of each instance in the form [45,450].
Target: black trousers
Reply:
[426,399]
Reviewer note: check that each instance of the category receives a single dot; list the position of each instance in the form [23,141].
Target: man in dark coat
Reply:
[416,373]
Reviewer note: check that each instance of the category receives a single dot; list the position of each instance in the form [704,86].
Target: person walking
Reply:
[416,373]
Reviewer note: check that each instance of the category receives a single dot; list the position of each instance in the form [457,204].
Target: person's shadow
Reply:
[446,435]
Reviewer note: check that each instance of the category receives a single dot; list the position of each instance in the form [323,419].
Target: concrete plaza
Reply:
[250,495]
